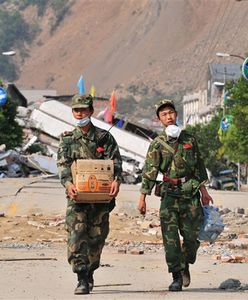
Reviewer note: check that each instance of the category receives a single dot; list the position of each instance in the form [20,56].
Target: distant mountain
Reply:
[140,47]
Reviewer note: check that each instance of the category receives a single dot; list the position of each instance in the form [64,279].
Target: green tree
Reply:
[235,140]
[10,132]
[209,143]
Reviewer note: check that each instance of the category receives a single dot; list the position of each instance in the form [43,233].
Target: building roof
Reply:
[15,93]
[221,72]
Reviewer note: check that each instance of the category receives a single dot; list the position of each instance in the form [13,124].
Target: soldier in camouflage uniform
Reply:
[175,154]
[87,224]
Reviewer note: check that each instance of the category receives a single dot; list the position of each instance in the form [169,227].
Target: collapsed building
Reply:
[43,124]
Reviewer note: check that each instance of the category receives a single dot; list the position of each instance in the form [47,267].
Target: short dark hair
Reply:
[163,103]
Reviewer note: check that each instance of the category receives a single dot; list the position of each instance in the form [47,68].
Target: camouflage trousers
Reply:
[87,226]
[184,216]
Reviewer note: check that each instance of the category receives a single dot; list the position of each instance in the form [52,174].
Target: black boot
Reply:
[177,283]
[186,276]
[83,284]
[91,281]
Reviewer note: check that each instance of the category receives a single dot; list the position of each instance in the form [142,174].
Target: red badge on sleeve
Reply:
[100,149]
[187,146]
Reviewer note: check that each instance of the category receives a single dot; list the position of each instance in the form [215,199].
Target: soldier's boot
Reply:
[91,281]
[83,284]
[177,283]
[186,276]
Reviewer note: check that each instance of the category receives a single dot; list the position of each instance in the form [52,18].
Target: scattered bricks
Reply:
[153,231]
[224,211]
[7,238]
[233,259]
[137,252]
[243,236]
[239,210]
[232,236]
[154,224]
[226,259]
[241,243]
[216,257]
[122,251]
[145,224]
[238,258]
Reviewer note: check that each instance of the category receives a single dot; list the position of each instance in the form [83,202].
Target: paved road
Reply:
[46,195]
[123,276]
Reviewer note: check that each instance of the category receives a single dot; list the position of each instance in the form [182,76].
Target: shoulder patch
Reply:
[67,133]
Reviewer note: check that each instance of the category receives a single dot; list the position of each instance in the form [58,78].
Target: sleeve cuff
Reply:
[67,183]
[145,191]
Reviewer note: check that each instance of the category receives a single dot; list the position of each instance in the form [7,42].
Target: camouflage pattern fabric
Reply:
[184,216]
[99,142]
[180,209]
[187,162]
[87,224]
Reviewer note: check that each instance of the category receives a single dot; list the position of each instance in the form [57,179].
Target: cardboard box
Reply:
[93,178]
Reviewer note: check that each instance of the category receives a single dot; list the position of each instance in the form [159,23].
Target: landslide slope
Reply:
[137,46]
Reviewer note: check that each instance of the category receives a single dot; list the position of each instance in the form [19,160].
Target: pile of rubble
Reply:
[38,153]
[132,234]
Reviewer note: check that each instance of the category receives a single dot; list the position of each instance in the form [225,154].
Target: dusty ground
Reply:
[33,262]
[126,231]
[33,248]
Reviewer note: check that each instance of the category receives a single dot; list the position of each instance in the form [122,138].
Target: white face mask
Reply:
[82,122]
[173,131]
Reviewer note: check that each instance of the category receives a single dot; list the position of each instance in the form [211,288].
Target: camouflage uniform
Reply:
[87,224]
[180,209]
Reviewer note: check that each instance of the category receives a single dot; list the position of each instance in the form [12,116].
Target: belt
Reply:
[175,181]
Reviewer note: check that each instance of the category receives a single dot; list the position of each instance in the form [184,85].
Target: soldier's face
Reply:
[167,116]
[80,113]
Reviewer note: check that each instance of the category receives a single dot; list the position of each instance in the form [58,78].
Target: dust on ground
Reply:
[128,232]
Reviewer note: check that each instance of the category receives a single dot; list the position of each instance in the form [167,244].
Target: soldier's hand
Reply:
[114,189]
[72,191]
[205,197]
[142,204]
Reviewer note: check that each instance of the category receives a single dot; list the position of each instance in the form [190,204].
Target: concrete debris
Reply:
[122,251]
[38,153]
[2,147]
[28,258]
[40,162]
[230,284]
[132,234]
[30,143]
[58,240]
[137,252]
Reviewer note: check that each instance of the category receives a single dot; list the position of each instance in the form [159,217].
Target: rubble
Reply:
[129,233]
[230,284]
[38,153]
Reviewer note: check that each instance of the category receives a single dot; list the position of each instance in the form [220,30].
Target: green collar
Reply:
[90,135]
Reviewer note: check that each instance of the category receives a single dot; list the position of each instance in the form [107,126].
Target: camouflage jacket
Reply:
[187,161]
[100,144]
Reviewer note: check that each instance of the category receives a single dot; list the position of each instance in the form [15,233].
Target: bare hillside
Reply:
[164,45]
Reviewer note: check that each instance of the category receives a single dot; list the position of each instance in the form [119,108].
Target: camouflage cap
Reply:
[164,102]
[81,101]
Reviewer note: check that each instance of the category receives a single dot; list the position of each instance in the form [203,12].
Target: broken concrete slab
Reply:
[42,163]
